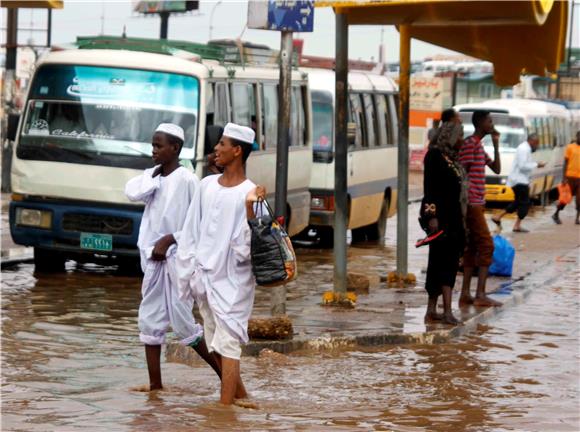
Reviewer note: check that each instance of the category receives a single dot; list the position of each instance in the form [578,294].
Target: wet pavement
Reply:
[71,356]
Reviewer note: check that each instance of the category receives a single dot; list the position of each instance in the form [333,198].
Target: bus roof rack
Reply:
[223,51]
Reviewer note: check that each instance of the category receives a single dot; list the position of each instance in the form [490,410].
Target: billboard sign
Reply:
[155,7]
[281,15]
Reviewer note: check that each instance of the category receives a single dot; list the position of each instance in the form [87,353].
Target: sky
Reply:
[93,17]
[84,18]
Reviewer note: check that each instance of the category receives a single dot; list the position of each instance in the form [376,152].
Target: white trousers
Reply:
[217,336]
[161,306]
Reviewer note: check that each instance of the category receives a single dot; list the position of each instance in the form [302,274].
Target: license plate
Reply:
[99,242]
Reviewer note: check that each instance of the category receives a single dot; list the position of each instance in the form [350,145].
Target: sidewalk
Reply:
[395,315]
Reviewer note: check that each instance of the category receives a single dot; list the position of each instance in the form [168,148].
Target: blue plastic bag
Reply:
[503,257]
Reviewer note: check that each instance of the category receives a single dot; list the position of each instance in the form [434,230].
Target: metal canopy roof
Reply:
[513,35]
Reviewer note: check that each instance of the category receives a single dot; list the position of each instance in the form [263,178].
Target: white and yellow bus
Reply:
[372,154]
[86,129]
[515,119]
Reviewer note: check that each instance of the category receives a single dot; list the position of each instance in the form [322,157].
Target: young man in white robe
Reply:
[167,191]
[214,263]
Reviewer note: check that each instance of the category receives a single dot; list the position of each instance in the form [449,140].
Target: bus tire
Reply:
[374,232]
[129,266]
[48,261]
[325,237]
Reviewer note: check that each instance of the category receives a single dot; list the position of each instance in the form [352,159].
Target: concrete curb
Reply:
[518,289]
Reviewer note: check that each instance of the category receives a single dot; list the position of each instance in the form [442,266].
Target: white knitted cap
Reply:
[171,129]
[241,133]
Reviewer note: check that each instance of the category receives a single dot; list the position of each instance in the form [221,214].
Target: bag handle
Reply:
[265,204]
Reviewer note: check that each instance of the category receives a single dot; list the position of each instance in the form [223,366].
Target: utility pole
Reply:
[340,154]
[403,151]
[278,298]
[9,90]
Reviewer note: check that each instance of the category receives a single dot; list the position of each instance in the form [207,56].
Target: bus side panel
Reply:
[372,173]
[261,170]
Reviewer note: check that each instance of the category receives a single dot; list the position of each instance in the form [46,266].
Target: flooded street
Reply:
[71,357]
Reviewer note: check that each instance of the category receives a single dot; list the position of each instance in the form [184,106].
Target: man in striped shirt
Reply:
[479,250]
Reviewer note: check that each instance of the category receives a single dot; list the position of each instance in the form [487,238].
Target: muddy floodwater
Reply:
[71,357]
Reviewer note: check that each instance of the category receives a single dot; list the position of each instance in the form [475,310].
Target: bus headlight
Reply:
[33,218]
[503,181]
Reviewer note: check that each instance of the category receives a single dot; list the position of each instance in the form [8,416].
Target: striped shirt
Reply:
[474,158]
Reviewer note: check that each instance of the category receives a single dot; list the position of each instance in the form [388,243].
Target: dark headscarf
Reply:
[445,140]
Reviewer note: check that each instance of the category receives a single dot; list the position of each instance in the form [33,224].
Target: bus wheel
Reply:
[129,266]
[48,261]
[373,232]
[325,237]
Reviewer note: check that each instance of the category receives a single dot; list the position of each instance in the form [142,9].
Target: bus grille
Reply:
[79,222]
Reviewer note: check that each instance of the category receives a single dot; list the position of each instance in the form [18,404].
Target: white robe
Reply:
[213,257]
[166,202]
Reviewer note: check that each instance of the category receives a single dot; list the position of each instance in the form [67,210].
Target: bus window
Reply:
[383,129]
[221,111]
[210,104]
[544,140]
[242,99]
[297,118]
[270,114]
[359,118]
[303,90]
[393,101]
[322,121]
[371,120]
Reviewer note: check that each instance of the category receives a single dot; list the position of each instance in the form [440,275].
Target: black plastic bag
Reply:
[273,257]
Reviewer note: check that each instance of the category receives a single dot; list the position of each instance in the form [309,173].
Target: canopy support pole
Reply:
[403,151]
[340,154]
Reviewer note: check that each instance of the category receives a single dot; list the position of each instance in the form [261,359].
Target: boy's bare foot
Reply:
[433,317]
[486,302]
[450,319]
[245,403]
[465,300]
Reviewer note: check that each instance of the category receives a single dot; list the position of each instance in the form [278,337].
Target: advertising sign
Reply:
[430,93]
[155,7]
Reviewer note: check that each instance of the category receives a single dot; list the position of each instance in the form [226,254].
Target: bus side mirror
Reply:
[351,133]
[12,127]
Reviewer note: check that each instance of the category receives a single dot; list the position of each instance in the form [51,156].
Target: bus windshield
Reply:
[322,119]
[512,130]
[105,116]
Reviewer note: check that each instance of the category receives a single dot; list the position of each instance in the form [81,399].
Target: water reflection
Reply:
[71,358]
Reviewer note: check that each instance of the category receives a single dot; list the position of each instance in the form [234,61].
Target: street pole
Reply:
[211,19]
[164,24]
[278,296]
[573,3]
[340,154]
[403,152]
[9,91]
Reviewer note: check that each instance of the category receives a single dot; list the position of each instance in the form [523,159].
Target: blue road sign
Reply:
[291,15]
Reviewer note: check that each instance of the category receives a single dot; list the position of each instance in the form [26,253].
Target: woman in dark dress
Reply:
[443,208]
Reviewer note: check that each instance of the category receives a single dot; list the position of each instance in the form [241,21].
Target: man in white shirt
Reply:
[519,181]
